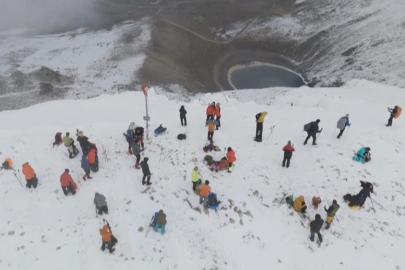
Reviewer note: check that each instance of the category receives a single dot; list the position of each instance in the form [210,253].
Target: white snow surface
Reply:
[43,229]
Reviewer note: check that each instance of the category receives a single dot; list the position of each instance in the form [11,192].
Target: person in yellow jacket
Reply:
[259,126]
[299,204]
[195,178]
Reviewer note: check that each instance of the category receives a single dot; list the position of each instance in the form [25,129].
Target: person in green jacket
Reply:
[195,178]
[331,212]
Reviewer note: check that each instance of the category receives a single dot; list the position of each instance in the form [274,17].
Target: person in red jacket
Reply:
[218,114]
[288,151]
[210,112]
[230,155]
[67,183]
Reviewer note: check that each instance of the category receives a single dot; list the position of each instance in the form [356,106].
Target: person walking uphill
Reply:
[101,204]
[210,112]
[342,124]
[205,190]
[218,115]
[30,175]
[67,183]
[395,113]
[230,155]
[146,172]
[259,126]
[86,167]
[288,151]
[312,129]
[315,227]
[160,222]
[136,150]
[183,117]
[331,212]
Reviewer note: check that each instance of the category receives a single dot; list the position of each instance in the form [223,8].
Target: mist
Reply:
[47,16]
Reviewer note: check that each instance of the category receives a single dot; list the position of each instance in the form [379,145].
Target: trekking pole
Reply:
[372,204]
[15,174]
[150,226]
[378,204]
[282,199]
[347,132]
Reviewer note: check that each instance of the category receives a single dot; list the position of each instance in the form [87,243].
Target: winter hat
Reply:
[146,159]
[196,168]
[218,104]
[160,211]
[67,170]
[229,148]
[289,142]
[207,182]
[334,201]
[81,134]
[347,115]
[318,120]
[317,217]
[67,134]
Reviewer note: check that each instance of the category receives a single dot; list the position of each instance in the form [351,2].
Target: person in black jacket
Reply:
[183,118]
[316,226]
[145,171]
[312,132]
[393,113]
[83,141]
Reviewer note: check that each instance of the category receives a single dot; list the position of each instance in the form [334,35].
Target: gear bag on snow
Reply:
[181,136]
[289,200]
[399,111]
[208,159]
[307,127]
[341,124]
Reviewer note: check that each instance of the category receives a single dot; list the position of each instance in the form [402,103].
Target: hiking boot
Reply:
[149,183]
[314,143]
[88,177]
[305,143]
[84,178]
[283,165]
[143,183]
[216,170]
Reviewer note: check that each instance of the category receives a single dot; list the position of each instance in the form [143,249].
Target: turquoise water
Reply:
[264,76]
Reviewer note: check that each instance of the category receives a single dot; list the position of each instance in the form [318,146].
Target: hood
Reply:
[301,198]
[146,159]
[317,217]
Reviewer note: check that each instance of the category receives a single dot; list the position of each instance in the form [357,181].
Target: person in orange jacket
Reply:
[30,175]
[67,183]
[7,164]
[205,190]
[230,155]
[92,158]
[211,129]
[210,112]
[108,238]
[218,115]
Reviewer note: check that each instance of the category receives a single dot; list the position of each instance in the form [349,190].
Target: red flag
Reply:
[143,88]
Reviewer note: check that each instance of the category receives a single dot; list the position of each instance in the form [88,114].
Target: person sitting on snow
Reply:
[220,165]
[299,204]
[363,155]
[7,164]
[160,222]
[315,202]
[101,204]
[360,199]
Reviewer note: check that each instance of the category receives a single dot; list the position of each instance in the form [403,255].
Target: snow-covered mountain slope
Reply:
[342,40]
[79,64]
[43,229]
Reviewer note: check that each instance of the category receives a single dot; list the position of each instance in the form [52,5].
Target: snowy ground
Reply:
[43,229]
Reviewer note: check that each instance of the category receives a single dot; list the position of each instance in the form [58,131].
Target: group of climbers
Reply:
[213,113]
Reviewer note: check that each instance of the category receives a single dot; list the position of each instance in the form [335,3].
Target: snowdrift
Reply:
[43,229]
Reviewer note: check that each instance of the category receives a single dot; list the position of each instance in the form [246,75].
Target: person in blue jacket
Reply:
[363,155]
[86,167]
[342,124]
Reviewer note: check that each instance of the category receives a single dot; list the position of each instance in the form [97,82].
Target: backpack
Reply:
[181,136]
[399,111]
[289,200]
[341,124]
[212,199]
[307,127]
[208,159]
